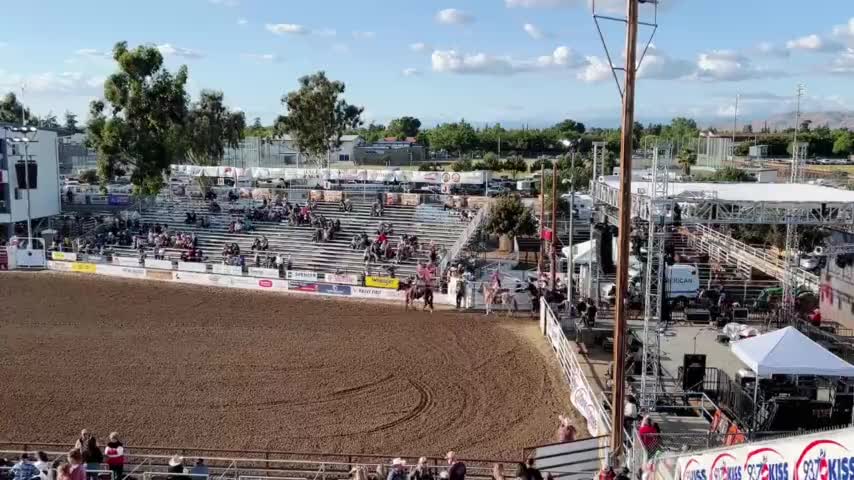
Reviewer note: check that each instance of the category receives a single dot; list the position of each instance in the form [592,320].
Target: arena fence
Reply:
[151,462]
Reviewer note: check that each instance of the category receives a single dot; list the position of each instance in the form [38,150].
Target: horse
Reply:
[499,296]
[414,293]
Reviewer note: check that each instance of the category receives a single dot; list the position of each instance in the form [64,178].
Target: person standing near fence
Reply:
[115,453]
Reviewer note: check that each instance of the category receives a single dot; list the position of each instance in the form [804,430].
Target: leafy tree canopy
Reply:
[403,127]
[509,216]
[211,127]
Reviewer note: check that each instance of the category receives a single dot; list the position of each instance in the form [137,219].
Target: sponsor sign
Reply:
[316,195]
[126,261]
[303,287]
[119,271]
[411,199]
[95,259]
[59,266]
[378,293]
[118,199]
[227,269]
[161,264]
[301,275]
[193,277]
[83,267]
[382,282]
[158,275]
[263,272]
[98,199]
[342,279]
[332,195]
[67,256]
[192,267]
[339,290]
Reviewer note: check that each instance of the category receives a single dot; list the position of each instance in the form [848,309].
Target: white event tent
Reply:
[789,352]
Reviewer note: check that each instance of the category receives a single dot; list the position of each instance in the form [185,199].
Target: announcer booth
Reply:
[29,192]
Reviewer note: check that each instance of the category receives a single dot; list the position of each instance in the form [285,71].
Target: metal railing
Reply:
[463,239]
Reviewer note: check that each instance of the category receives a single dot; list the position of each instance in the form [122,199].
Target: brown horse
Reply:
[499,296]
[414,293]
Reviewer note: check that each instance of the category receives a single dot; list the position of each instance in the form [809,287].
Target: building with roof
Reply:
[390,152]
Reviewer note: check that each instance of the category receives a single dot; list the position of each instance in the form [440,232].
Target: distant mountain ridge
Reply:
[782,121]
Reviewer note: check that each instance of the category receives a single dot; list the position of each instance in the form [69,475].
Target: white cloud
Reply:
[326,32]
[844,63]
[66,83]
[242,22]
[814,43]
[533,31]
[92,53]
[364,35]
[411,72]
[658,65]
[772,50]
[453,16]
[601,5]
[226,3]
[419,47]
[169,50]
[452,61]
[597,70]
[845,33]
[286,28]
[263,57]
[726,65]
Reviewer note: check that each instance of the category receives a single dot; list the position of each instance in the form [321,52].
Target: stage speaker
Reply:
[693,372]
[32,172]
[697,315]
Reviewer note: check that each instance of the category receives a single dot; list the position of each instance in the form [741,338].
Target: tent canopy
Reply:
[581,250]
[789,352]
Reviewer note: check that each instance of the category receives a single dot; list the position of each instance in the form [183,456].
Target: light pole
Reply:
[570,270]
[28,137]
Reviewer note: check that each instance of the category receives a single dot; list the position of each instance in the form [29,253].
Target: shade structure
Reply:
[789,352]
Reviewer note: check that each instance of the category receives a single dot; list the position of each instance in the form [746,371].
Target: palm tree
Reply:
[687,157]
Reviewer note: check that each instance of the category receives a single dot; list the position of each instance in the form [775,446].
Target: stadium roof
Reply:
[748,192]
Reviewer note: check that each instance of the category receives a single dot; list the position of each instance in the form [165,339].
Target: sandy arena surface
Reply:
[183,366]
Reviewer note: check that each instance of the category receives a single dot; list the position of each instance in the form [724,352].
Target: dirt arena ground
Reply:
[211,368]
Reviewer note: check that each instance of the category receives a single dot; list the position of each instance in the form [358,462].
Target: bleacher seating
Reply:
[427,221]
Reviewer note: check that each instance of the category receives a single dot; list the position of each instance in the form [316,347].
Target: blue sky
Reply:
[513,61]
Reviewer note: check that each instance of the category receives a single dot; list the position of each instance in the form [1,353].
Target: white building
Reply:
[345,153]
[45,198]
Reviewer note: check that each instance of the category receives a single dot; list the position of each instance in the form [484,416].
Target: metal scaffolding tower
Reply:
[599,154]
[799,153]
[660,207]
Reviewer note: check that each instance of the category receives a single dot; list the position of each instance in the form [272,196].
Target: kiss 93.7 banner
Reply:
[821,456]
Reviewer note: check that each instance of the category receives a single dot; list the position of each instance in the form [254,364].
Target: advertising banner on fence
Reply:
[342,279]
[820,456]
[158,275]
[119,271]
[303,287]
[59,266]
[161,264]
[338,290]
[192,267]
[263,272]
[378,293]
[83,267]
[67,256]
[227,269]
[118,199]
[301,275]
[126,261]
[382,282]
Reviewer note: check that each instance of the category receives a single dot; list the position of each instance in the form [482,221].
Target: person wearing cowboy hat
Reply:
[456,468]
[398,469]
[176,465]
[421,471]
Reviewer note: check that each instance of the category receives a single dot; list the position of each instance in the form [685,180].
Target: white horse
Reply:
[499,296]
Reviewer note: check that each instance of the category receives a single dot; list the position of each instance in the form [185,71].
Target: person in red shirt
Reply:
[815,317]
[647,433]
[115,454]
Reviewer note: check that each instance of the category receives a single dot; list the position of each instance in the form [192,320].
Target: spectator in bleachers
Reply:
[532,471]
[24,469]
[398,472]
[78,468]
[214,207]
[63,471]
[199,468]
[92,456]
[456,468]
[377,209]
[565,431]
[647,434]
[176,466]
[345,205]
[43,465]
[115,453]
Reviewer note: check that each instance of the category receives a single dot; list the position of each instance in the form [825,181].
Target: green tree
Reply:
[687,158]
[89,176]
[374,132]
[569,127]
[544,164]
[49,121]
[730,174]
[509,216]
[210,128]
[403,127]
[317,116]
[462,165]
[843,144]
[70,122]
[458,137]
[430,167]
[515,165]
[12,111]
[491,162]
[140,131]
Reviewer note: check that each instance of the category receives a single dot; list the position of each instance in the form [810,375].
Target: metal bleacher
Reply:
[427,221]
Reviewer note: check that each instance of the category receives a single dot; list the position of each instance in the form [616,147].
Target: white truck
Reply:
[682,283]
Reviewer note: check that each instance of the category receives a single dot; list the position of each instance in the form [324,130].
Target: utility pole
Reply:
[554,226]
[735,123]
[542,220]
[625,213]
